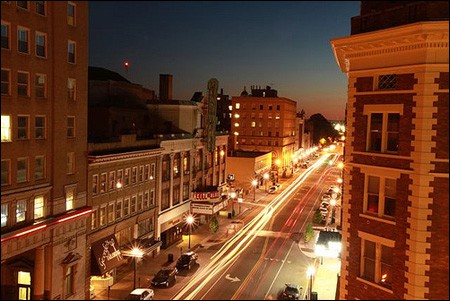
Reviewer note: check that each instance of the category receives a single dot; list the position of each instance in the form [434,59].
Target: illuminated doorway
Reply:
[24,285]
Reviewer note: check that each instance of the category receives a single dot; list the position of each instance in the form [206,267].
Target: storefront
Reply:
[206,204]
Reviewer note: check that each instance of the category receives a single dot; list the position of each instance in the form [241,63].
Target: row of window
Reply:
[122,178]
[22,128]
[257,142]
[260,116]
[13,213]
[24,42]
[40,84]
[40,8]
[254,106]
[122,208]
[23,172]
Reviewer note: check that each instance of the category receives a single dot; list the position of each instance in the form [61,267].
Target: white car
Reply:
[141,294]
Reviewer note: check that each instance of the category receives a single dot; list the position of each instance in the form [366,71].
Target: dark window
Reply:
[376,124]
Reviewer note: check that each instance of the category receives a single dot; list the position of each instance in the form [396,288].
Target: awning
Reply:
[146,245]
[106,255]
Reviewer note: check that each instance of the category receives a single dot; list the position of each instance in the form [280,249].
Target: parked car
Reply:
[272,189]
[324,204]
[291,292]
[326,197]
[324,211]
[187,260]
[141,294]
[165,277]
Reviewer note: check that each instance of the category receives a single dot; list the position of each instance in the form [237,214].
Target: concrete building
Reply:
[395,223]
[44,213]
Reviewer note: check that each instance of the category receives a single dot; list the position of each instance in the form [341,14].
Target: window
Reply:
[152,171]
[71,13]
[133,204]
[152,198]
[119,178]
[4,215]
[94,218]
[22,127]
[126,207]
[134,175]
[71,52]
[22,83]
[94,184]
[127,176]
[6,79]
[70,168]
[119,209]
[253,124]
[21,211]
[112,180]
[140,202]
[387,82]
[38,207]
[5,35]
[147,172]
[22,170]
[103,182]
[70,126]
[69,199]
[40,85]
[5,172]
[141,173]
[40,8]
[146,200]
[238,105]
[22,39]
[111,212]
[39,127]
[41,39]
[71,88]
[6,128]
[22,4]
[278,107]
[102,215]
[261,107]
[69,281]
[384,132]
[381,196]
[376,262]
[39,167]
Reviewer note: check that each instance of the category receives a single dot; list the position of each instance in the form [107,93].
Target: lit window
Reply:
[119,178]
[70,168]
[24,281]
[69,280]
[111,212]
[39,168]
[103,215]
[236,124]
[6,128]
[381,196]
[22,83]
[38,207]
[21,211]
[236,115]
[70,126]
[22,39]
[4,214]
[6,79]
[71,13]
[376,262]
[94,218]
[5,35]
[71,52]
[22,170]
[40,86]
[5,172]
[69,199]
[39,127]
[40,44]
[238,105]
[253,124]
[72,88]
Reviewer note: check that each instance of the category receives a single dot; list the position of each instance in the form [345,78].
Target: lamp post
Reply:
[310,273]
[189,221]
[233,196]
[266,177]
[254,183]
[136,253]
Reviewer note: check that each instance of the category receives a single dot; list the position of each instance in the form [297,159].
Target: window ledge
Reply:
[375,285]
[378,219]
[381,155]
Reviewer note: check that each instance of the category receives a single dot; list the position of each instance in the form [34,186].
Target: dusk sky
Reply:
[283,44]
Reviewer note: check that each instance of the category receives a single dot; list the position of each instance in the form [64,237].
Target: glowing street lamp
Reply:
[233,197]
[189,221]
[310,273]
[136,253]
[254,183]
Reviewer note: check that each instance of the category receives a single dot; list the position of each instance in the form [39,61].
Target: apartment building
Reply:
[395,223]
[44,143]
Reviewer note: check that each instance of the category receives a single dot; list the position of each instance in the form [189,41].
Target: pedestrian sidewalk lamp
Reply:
[254,183]
[310,274]
[189,221]
[266,177]
[136,253]
[233,197]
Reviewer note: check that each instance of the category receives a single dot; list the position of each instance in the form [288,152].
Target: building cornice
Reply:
[92,159]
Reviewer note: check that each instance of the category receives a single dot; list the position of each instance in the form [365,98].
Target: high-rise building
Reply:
[44,144]
[395,223]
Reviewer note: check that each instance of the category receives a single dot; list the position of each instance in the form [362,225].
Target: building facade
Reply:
[395,222]
[44,144]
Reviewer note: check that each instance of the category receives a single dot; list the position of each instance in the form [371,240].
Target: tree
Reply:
[321,128]
[214,224]
[309,232]
[317,217]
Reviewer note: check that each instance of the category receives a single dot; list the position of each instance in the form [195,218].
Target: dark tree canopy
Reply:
[321,128]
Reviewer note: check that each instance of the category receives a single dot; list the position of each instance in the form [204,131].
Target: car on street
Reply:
[324,211]
[272,189]
[187,260]
[291,292]
[165,277]
[141,294]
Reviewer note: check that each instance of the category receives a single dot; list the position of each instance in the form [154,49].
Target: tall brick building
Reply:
[44,145]
[395,221]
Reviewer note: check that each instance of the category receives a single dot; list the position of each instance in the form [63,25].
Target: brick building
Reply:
[44,144]
[395,201]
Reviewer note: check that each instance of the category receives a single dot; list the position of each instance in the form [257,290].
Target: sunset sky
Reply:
[283,44]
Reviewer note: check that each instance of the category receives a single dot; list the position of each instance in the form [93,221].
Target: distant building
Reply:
[395,222]
[44,212]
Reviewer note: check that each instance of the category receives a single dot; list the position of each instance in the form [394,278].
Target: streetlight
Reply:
[233,196]
[266,177]
[254,183]
[189,221]
[310,273]
[136,253]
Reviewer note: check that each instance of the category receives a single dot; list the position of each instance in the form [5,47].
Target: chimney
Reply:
[165,86]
